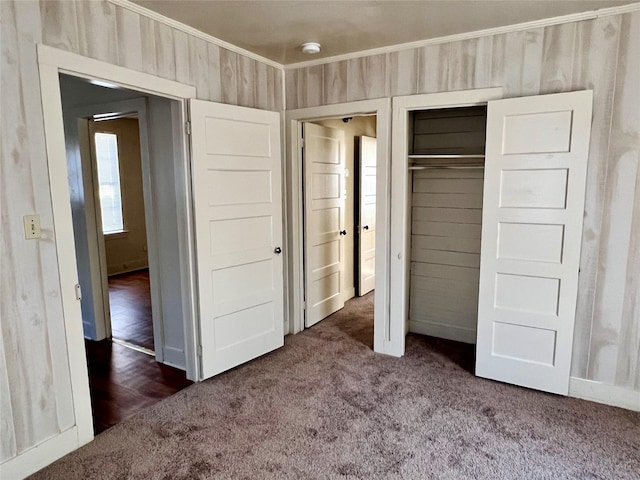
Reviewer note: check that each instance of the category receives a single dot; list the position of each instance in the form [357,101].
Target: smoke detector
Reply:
[311,48]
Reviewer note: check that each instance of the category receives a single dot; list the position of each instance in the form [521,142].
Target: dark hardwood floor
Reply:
[124,381]
[130,304]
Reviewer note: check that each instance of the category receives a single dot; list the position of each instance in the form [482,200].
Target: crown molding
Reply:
[546,22]
[134,7]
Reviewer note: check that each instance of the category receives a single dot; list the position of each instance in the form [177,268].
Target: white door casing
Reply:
[367,215]
[535,176]
[324,221]
[236,167]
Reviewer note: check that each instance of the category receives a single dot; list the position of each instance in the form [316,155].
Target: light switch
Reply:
[32,227]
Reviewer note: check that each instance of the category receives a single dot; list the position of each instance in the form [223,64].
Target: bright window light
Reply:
[109,182]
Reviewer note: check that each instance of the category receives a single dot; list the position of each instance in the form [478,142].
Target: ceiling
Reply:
[275,29]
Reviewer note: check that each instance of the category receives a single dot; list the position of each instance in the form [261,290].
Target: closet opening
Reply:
[446,148]
[339,217]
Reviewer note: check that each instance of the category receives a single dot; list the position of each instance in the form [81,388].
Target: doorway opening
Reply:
[339,216]
[122,177]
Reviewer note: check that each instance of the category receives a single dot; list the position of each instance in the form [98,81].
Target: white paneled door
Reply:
[367,216]
[238,221]
[324,226]
[535,175]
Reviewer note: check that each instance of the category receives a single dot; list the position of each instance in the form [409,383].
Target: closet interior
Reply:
[446,162]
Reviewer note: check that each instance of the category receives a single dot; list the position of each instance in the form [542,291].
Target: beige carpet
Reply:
[326,406]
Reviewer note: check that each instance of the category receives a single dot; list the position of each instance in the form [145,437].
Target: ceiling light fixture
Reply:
[311,48]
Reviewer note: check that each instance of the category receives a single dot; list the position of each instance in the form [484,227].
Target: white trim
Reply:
[145,12]
[41,455]
[383,343]
[450,332]
[545,22]
[400,249]
[51,63]
[602,393]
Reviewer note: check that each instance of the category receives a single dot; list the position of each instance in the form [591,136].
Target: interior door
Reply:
[238,221]
[324,226]
[535,175]
[367,215]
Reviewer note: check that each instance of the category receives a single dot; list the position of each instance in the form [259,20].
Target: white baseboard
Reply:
[465,335]
[602,393]
[38,457]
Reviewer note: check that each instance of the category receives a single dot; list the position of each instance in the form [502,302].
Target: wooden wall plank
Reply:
[498,48]
[24,307]
[433,68]
[96,25]
[375,81]
[246,81]
[214,75]
[599,39]
[356,79]
[8,448]
[335,82]
[263,90]
[403,72]
[59,27]
[148,37]
[483,66]
[199,67]
[615,337]
[274,81]
[557,58]
[523,54]
[314,86]
[462,61]
[129,46]
[291,82]
[228,76]
[165,53]
[181,52]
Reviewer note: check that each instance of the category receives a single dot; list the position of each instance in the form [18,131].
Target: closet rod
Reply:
[446,167]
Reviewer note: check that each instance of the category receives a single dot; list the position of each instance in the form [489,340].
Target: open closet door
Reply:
[534,187]
[367,215]
[324,227]
[236,168]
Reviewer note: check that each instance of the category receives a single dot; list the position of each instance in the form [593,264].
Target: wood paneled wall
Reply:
[601,54]
[35,389]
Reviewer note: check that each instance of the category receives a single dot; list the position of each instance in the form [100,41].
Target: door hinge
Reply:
[302,143]
[199,350]
[304,305]
[78,291]
[187,127]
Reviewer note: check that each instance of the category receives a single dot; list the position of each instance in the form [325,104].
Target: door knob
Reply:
[343,232]
[366,227]
[278,250]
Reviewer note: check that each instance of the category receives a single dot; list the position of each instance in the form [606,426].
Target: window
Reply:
[109,182]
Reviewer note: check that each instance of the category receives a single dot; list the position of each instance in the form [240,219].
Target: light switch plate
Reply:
[32,227]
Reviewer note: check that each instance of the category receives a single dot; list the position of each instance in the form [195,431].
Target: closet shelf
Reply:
[443,157]
[448,167]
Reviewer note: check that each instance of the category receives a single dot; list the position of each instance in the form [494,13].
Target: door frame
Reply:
[52,62]
[400,267]
[383,340]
